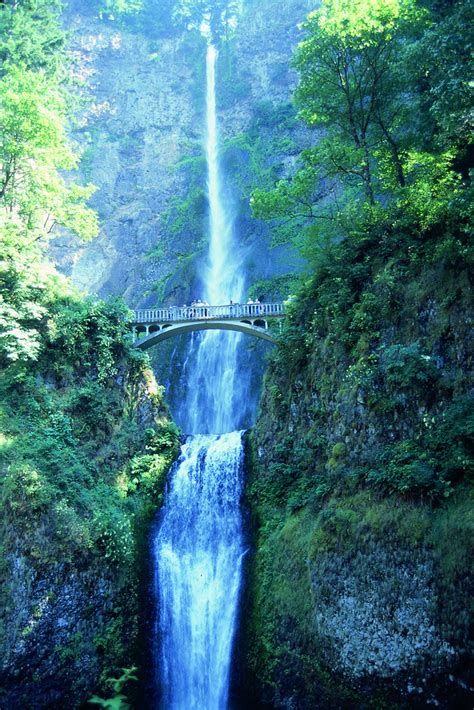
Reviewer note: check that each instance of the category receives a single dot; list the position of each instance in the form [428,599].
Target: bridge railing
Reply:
[189,313]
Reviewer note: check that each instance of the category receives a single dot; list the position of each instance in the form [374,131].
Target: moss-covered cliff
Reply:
[86,443]
[361,483]
[362,458]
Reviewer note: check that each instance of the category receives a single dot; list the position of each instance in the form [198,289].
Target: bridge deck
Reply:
[234,311]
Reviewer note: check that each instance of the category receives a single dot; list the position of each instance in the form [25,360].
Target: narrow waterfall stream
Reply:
[212,403]
[198,545]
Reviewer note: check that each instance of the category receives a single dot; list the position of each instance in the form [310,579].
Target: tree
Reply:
[33,150]
[442,65]
[352,84]
[372,85]
[30,35]
[122,7]
[37,189]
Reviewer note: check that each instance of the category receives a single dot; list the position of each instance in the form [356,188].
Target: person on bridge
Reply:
[199,304]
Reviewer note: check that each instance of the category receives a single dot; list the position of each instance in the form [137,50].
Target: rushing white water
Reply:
[199,555]
[224,279]
[198,545]
[212,404]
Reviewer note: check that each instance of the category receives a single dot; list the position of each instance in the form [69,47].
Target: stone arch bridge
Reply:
[151,326]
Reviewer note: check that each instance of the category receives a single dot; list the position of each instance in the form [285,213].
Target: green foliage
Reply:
[444,62]
[406,468]
[30,35]
[35,193]
[25,285]
[80,478]
[33,113]
[366,69]
[33,150]
[119,700]
[404,366]
[441,456]
[73,391]
[89,334]
[147,471]
[273,288]
[338,450]
[364,439]
[350,84]
[251,157]
[68,432]
[220,15]
[184,220]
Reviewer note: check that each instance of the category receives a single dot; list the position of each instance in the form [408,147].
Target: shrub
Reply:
[407,468]
[405,366]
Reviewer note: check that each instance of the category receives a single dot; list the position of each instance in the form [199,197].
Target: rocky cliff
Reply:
[141,132]
[86,446]
[360,487]
[139,121]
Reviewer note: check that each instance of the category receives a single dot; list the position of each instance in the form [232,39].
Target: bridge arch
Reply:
[171,330]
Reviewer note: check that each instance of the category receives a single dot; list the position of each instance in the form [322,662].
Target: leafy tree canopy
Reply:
[38,193]
[387,88]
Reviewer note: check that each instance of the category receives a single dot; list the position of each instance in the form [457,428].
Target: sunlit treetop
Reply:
[363,19]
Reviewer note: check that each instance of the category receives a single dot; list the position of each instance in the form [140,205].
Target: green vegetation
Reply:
[119,700]
[85,438]
[122,7]
[35,197]
[86,444]
[33,110]
[166,17]
[71,443]
[365,73]
[220,14]
[362,458]
[364,447]
[390,259]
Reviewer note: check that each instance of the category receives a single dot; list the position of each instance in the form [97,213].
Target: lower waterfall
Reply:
[198,549]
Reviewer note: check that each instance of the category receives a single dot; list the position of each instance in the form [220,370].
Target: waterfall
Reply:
[212,404]
[198,544]
[199,553]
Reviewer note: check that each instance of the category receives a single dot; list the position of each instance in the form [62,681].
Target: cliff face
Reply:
[360,491]
[139,119]
[142,137]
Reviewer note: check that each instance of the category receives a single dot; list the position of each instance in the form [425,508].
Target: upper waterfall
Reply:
[213,404]
[223,280]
